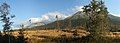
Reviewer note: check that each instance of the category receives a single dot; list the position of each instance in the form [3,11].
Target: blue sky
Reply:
[113,6]
[26,9]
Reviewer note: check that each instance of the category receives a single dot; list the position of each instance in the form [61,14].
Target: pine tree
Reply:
[97,22]
[103,18]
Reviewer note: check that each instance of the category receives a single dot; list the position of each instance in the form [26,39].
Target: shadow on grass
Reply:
[12,39]
[87,39]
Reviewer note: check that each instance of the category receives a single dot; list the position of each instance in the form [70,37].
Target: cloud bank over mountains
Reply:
[46,18]
[118,15]
[51,17]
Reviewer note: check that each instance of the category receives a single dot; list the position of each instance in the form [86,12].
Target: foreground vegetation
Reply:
[66,36]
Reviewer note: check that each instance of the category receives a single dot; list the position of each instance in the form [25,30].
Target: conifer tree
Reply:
[97,22]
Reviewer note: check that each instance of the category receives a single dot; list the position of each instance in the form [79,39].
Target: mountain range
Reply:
[78,20]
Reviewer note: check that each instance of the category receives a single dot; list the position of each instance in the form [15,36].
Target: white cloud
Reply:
[46,18]
[77,8]
[115,14]
[51,16]
[34,20]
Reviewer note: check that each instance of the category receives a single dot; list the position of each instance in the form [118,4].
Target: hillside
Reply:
[76,20]
[79,19]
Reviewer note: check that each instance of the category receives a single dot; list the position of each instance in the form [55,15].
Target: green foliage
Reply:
[97,18]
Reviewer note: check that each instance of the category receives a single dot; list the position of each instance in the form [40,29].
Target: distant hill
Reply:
[77,19]
[114,19]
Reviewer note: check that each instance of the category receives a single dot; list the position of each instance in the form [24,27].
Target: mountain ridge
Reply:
[77,19]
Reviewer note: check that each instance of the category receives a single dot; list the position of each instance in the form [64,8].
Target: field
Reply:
[42,35]
[38,36]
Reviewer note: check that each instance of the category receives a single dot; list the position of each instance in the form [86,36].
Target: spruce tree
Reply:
[97,23]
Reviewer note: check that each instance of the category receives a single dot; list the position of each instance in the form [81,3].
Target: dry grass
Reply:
[39,34]
[36,36]
[113,35]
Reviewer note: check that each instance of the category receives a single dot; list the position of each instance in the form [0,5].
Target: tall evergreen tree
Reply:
[97,22]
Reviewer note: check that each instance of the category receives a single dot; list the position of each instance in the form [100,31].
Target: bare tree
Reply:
[5,18]
[57,22]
